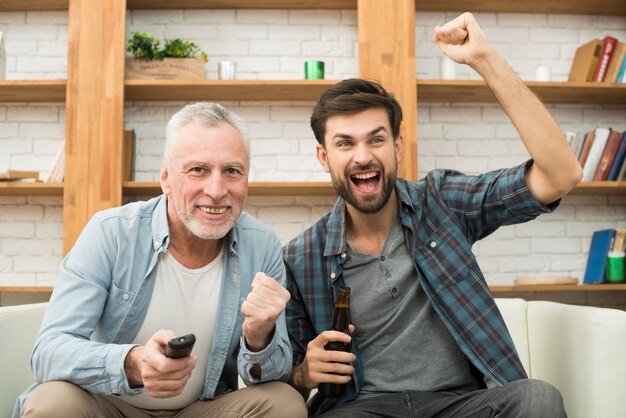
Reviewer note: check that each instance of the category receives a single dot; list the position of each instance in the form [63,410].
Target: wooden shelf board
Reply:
[604,7]
[559,288]
[600,188]
[458,91]
[241,4]
[13,188]
[263,90]
[33,5]
[132,188]
[32,90]
[26,289]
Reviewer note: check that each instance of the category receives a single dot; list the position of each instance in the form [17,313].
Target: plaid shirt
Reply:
[442,216]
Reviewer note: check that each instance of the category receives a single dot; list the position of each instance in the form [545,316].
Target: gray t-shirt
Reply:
[404,344]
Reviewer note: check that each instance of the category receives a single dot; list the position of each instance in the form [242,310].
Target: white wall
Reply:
[274,45]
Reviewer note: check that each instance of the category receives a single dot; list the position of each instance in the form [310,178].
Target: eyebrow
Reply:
[192,163]
[371,133]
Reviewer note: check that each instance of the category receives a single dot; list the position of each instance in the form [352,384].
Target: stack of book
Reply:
[600,60]
[601,153]
[602,243]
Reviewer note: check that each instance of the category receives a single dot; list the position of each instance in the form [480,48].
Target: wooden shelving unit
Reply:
[32,91]
[461,91]
[103,67]
[8,188]
[608,7]
[292,90]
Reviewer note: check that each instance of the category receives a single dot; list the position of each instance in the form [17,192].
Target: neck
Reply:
[367,232]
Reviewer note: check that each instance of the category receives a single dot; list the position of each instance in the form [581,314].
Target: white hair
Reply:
[202,114]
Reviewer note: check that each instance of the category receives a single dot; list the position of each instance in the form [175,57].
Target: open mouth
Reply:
[366,182]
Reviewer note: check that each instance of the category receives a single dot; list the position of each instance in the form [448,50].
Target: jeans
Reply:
[523,398]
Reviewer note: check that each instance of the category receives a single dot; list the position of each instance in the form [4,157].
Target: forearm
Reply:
[555,170]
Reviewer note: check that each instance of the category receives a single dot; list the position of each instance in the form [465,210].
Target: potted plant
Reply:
[177,59]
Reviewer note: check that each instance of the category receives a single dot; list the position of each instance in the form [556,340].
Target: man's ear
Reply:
[322,157]
[163,177]
[398,144]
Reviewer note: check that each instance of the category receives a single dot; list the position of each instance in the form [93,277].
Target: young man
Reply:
[188,261]
[427,333]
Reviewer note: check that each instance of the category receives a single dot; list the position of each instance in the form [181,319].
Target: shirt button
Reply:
[125,296]
[382,258]
[247,357]
[433,244]
[332,275]
[343,255]
[394,290]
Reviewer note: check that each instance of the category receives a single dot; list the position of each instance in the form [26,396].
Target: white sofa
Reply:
[581,350]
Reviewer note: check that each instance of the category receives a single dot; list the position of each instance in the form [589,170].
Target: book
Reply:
[620,240]
[622,172]
[608,47]
[595,153]
[128,154]
[621,78]
[570,137]
[584,152]
[57,170]
[608,156]
[10,175]
[577,146]
[585,61]
[620,157]
[601,243]
[612,70]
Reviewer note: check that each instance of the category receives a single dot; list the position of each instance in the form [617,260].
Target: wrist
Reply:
[132,367]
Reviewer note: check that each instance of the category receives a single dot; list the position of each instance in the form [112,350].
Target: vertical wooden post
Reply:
[94,112]
[387,54]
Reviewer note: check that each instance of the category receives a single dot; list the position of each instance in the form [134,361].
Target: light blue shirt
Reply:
[104,289]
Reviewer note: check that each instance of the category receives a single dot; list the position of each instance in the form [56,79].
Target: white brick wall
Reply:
[273,45]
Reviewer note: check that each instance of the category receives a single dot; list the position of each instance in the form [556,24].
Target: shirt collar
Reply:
[336,238]
[161,229]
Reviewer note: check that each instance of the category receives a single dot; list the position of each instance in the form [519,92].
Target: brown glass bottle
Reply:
[340,323]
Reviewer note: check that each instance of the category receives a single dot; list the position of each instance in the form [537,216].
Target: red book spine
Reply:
[608,46]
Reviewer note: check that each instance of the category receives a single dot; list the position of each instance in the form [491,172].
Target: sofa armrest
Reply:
[19,326]
[580,350]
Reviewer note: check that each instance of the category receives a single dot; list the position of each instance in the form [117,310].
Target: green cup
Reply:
[615,267]
[314,70]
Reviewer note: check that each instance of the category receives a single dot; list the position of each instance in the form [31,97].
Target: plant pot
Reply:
[167,69]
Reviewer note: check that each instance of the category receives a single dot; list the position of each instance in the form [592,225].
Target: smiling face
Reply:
[205,180]
[361,156]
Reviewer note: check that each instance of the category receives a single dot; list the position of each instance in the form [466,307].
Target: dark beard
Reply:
[371,204]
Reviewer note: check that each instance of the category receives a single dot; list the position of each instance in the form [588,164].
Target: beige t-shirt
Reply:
[184,301]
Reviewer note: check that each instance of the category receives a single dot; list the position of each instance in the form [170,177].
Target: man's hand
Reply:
[264,303]
[321,366]
[162,377]
[463,40]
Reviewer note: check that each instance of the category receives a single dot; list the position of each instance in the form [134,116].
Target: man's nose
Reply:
[215,186]
[362,155]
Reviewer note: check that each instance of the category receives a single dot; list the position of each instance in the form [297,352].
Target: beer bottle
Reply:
[340,323]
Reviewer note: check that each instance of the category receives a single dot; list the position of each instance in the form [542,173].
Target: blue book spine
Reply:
[622,70]
[601,244]
[619,159]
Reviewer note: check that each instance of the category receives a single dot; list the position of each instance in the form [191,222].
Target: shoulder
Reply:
[130,211]
[311,240]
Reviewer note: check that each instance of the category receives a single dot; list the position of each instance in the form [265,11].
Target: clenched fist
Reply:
[264,303]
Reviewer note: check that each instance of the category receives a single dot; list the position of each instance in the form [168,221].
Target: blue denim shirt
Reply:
[104,289]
